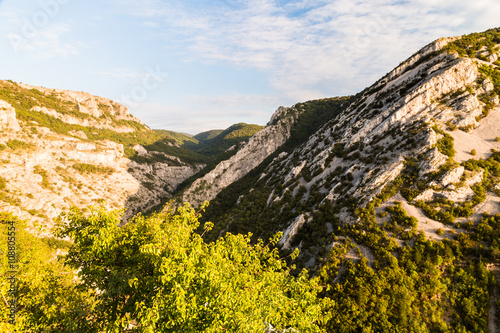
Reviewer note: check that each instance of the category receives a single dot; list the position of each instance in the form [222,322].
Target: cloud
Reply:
[198,113]
[306,49]
[49,43]
[305,46]
[37,34]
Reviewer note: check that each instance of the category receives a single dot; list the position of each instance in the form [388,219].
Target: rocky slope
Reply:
[48,163]
[258,147]
[412,133]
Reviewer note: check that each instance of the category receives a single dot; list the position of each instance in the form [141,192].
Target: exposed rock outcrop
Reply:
[258,148]
[8,119]
[46,173]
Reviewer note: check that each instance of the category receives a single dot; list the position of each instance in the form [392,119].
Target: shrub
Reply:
[90,168]
[45,177]
[18,144]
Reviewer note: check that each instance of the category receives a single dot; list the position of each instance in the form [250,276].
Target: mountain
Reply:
[204,136]
[392,196]
[63,148]
[287,124]
[213,143]
[403,179]
[414,133]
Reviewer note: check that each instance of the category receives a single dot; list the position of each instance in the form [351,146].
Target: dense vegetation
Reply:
[212,145]
[470,45]
[90,168]
[208,135]
[47,298]
[158,275]
[155,275]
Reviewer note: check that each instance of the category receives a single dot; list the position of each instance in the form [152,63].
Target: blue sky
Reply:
[191,66]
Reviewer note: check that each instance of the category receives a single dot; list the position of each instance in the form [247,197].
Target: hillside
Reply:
[208,135]
[412,160]
[62,148]
[406,122]
[390,199]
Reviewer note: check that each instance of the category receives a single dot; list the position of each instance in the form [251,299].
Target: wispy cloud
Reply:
[307,45]
[217,112]
[49,43]
[306,49]
[38,34]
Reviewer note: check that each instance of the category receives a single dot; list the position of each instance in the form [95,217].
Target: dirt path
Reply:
[491,206]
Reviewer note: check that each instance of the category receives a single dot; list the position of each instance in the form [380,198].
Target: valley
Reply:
[386,203]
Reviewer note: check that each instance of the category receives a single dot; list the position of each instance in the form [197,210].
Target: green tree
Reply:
[157,274]
[47,298]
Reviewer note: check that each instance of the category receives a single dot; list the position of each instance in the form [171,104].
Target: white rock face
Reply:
[44,196]
[86,122]
[83,109]
[49,175]
[8,120]
[453,176]
[291,231]
[79,134]
[140,150]
[392,125]
[259,146]
[434,159]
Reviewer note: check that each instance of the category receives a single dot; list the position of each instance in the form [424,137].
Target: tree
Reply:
[47,300]
[157,275]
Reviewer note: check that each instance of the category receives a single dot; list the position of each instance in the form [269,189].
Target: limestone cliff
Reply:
[257,149]
[45,171]
[416,130]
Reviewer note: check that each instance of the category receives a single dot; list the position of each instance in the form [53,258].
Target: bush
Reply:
[18,144]
[90,168]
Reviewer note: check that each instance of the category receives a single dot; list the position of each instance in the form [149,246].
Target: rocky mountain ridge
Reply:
[48,170]
[398,135]
[258,148]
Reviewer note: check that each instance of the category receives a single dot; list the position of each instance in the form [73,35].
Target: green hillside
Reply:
[180,138]
[208,135]
[212,146]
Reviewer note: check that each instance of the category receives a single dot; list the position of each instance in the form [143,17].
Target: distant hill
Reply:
[208,135]
[213,145]
[180,138]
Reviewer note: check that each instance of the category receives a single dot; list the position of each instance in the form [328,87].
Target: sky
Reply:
[191,66]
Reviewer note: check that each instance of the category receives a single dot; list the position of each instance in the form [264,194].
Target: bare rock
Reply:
[79,134]
[452,176]
[140,150]
[291,231]
[8,118]
[434,159]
